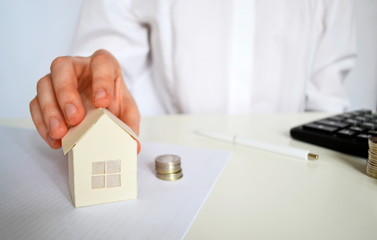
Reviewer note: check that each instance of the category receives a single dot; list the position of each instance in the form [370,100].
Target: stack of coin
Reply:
[168,167]
[372,158]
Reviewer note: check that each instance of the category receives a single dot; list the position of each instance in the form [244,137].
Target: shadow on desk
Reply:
[52,162]
[356,163]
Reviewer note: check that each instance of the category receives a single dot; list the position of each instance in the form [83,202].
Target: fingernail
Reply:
[70,110]
[100,94]
[51,141]
[53,124]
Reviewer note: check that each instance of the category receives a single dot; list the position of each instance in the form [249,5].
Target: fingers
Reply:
[138,147]
[104,70]
[50,110]
[73,82]
[106,77]
[42,129]
[129,112]
[132,118]
[65,84]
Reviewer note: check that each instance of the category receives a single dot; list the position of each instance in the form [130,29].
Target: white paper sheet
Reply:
[35,201]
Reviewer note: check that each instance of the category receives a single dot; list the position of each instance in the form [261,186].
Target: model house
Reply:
[102,153]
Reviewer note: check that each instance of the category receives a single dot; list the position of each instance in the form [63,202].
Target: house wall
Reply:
[104,141]
[70,176]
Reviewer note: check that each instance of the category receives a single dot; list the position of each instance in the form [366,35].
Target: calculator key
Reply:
[331,132]
[346,133]
[369,117]
[373,132]
[363,137]
[361,118]
[357,129]
[338,118]
[333,123]
[353,122]
[348,115]
[363,111]
[369,125]
[320,127]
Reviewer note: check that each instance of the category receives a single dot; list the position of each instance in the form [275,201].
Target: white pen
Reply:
[288,151]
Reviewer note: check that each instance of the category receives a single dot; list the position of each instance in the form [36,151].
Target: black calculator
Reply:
[347,133]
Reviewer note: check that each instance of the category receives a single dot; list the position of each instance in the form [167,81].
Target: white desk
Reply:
[261,195]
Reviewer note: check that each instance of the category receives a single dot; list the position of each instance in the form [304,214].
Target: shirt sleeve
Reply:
[334,58]
[111,25]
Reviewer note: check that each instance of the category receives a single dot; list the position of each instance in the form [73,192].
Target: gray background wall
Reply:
[33,33]
[361,84]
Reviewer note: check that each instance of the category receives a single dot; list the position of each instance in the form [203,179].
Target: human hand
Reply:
[76,84]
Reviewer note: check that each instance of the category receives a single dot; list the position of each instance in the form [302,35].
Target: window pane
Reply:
[113,180]
[98,168]
[98,181]
[113,166]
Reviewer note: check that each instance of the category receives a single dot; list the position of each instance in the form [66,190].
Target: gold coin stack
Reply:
[168,167]
[371,168]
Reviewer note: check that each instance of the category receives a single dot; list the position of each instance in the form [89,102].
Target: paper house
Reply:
[102,154]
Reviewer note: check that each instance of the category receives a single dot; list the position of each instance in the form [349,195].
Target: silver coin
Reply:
[372,154]
[372,141]
[372,145]
[372,162]
[170,177]
[168,169]
[167,160]
[374,151]
[372,157]
[371,150]
[371,169]
[371,165]
[371,173]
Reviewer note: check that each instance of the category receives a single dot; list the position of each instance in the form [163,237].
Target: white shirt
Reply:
[225,56]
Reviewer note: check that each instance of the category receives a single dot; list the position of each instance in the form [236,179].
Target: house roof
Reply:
[75,133]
